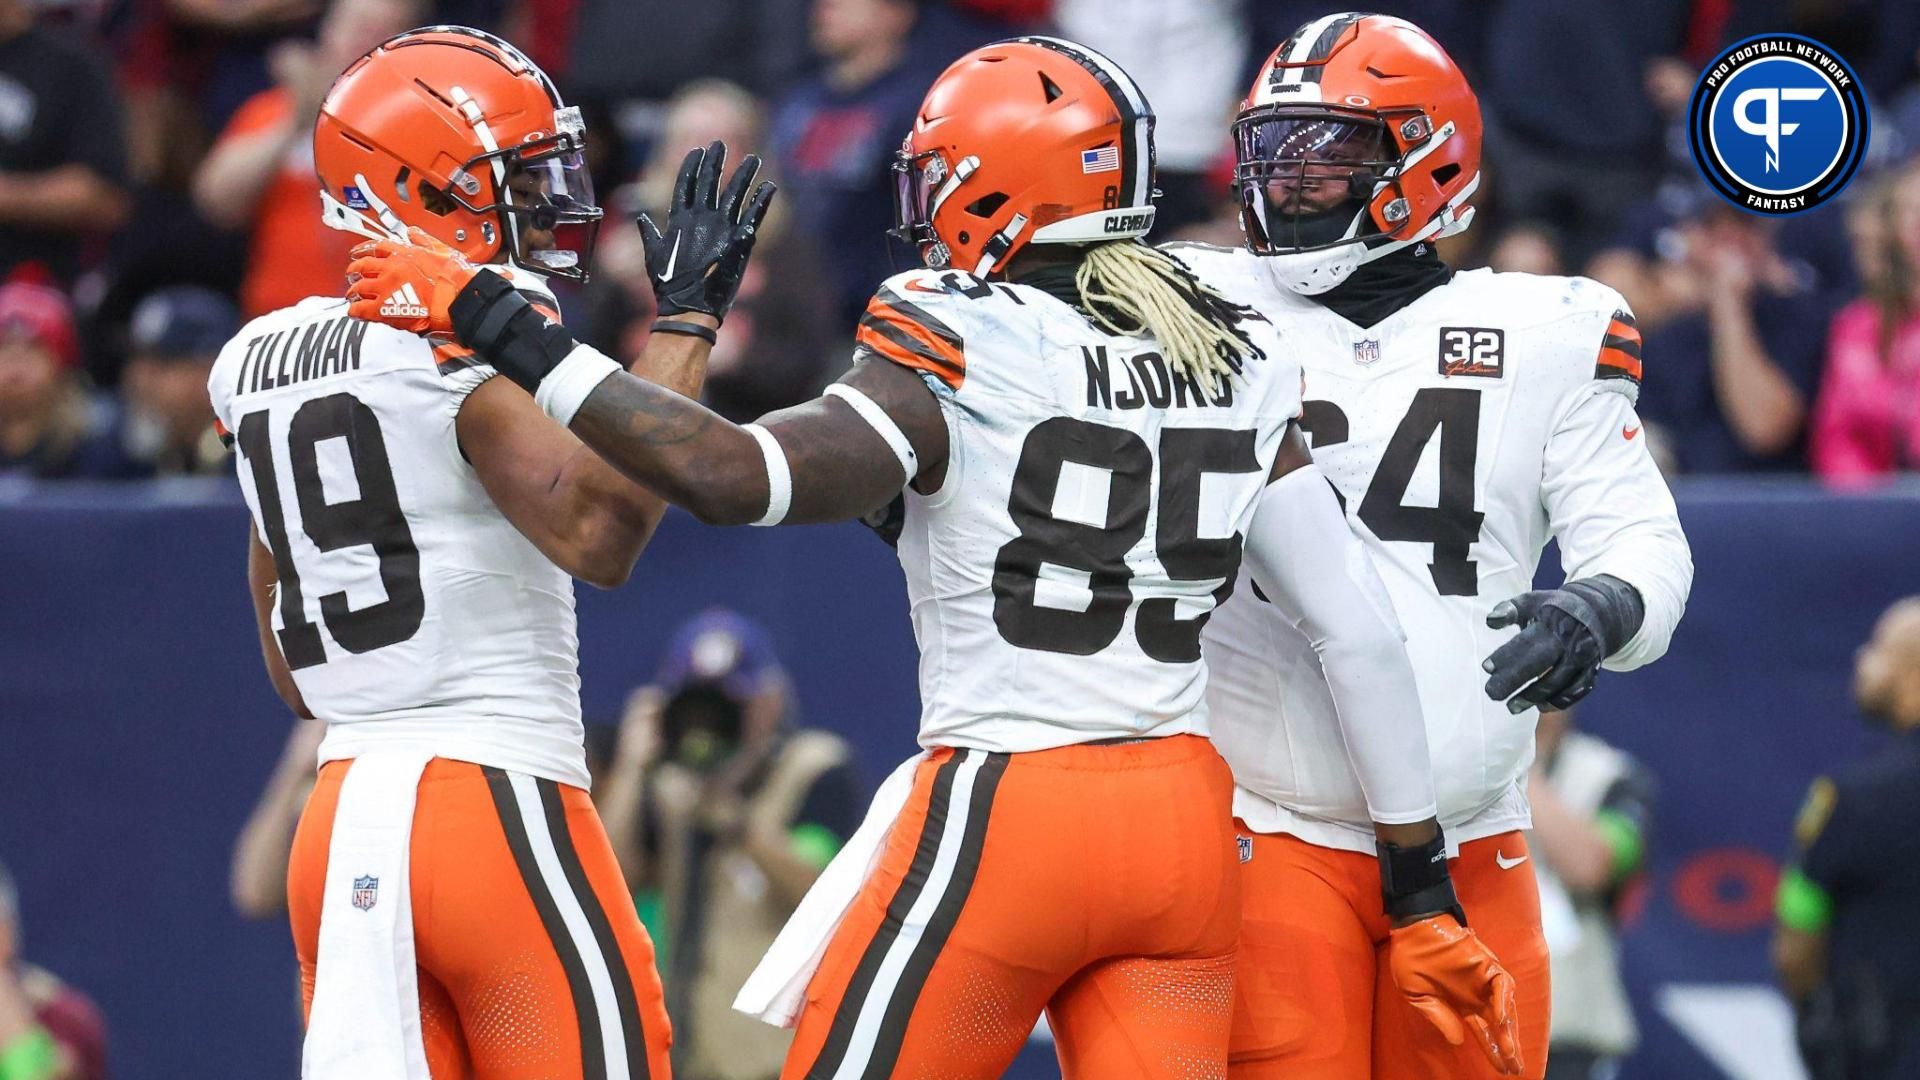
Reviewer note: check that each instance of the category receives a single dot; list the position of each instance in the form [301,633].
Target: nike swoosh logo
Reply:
[917,287]
[1629,432]
[673,259]
[1506,863]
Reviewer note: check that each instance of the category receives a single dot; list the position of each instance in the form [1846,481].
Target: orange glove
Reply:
[1455,981]
[407,285]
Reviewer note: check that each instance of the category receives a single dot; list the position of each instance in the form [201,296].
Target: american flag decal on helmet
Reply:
[1105,159]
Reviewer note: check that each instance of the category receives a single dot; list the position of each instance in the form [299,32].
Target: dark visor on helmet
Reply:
[916,177]
[1304,177]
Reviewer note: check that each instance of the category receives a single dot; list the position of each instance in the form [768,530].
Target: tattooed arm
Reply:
[841,466]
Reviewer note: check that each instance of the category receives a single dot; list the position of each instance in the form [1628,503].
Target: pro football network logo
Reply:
[404,303]
[1778,124]
[366,892]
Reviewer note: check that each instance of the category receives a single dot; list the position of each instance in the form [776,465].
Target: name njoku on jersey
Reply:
[1150,381]
[304,352]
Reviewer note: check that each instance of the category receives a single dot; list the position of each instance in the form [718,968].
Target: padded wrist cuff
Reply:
[490,317]
[1414,881]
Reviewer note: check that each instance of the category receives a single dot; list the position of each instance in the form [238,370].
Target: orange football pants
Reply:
[1096,882]
[502,864]
[1314,999]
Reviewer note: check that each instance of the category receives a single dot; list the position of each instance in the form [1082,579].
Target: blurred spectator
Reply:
[167,424]
[1846,948]
[780,343]
[753,43]
[259,176]
[1592,808]
[1866,421]
[1573,134]
[62,147]
[50,427]
[257,880]
[730,814]
[1526,248]
[1189,59]
[48,1030]
[835,137]
[1734,332]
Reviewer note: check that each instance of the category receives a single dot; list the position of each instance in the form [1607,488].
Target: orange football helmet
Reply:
[455,131]
[1031,140]
[1360,137]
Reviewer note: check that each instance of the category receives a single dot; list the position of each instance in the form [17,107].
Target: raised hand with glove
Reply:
[1565,635]
[696,262]
[1440,965]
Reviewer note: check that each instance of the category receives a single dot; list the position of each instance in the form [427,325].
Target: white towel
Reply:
[365,1020]
[777,988]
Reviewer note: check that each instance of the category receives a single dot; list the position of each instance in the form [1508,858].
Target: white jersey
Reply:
[1090,518]
[1462,432]
[409,609]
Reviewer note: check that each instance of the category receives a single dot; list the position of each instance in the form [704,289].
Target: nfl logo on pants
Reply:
[366,891]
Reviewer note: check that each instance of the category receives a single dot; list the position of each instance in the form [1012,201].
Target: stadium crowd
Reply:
[156,189]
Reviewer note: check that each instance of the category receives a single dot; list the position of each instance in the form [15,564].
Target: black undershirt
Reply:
[1387,284]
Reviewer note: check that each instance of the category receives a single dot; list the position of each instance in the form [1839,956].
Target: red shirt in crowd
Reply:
[71,1019]
[291,255]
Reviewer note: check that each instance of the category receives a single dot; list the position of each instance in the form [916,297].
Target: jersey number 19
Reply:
[374,519]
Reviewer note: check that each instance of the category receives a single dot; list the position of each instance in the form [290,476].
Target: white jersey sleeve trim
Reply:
[779,476]
[566,387]
[1320,578]
[882,424]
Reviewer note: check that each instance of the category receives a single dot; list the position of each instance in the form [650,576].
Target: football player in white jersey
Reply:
[1086,439]
[455,905]
[1466,419]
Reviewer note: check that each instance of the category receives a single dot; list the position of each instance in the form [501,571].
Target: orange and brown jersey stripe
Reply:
[450,357]
[1619,350]
[910,336]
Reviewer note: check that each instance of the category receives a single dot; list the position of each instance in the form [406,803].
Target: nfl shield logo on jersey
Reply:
[1246,848]
[366,892]
[1366,352]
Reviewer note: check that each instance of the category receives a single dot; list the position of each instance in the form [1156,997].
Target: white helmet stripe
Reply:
[1303,42]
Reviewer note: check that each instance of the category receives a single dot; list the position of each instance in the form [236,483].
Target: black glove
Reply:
[696,262]
[1564,635]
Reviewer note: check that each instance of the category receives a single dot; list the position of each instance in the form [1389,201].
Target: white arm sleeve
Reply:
[1319,577]
[1609,507]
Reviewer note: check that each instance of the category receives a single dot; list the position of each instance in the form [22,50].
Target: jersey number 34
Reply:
[1451,525]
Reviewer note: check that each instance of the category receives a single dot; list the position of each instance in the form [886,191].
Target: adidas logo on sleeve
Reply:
[404,303]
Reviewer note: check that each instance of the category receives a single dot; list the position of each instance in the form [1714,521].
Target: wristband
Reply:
[566,387]
[779,476]
[1414,882]
[882,424]
[33,1056]
[690,329]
